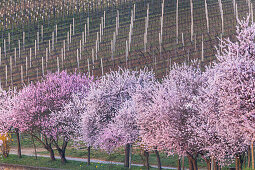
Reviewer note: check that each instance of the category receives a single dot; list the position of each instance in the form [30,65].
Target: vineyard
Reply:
[133,81]
[102,36]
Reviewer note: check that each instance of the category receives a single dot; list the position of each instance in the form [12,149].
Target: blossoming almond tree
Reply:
[7,102]
[164,113]
[229,98]
[109,106]
[38,103]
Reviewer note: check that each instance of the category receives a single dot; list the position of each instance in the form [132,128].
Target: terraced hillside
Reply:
[125,28]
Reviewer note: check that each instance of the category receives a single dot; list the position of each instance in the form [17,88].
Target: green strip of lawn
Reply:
[72,165]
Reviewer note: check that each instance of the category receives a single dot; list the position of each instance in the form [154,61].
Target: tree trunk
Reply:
[62,151]
[34,147]
[249,157]
[194,162]
[208,163]
[89,147]
[52,156]
[212,163]
[127,153]
[18,142]
[252,155]
[146,155]
[142,157]
[62,156]
[236,163]
[179,164]
[240,161]
[190,164]
[215,165]
[183,162]
[158,160]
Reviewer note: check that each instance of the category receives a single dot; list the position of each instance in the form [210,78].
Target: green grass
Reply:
[119,156]
[72,165]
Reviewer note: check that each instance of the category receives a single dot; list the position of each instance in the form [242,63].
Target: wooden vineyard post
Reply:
[234,6]
[126,54]
[88,67]
[35,48]
[177,4]
[102,66]
[207,18]
[192,23]
[19,48]
[237,13]
[73,26]
[70,34]
[80,49]
[42,32]
[6,75]
[56,33]
[64,49]
[104,19]
[85,32]
[160,43]
[15,56]
[88,25]
[24,36]
[42,67]
[251,13]
[46,58]
[62,58]
[30,56]
[38,40]
[9,41]
[58,65]
[21,74]
[182,39]
[78,61]
[53,40]
[93,57]
[202,49]
[68,42]
[11,69]
[221,14]
[5,48]
[26,66]
[49,48]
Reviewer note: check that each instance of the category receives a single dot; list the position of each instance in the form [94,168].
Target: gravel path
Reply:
[30,152]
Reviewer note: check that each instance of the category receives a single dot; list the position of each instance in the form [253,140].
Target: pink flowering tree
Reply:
[39,105]
[229,97]
[109,107]
[165,113]
[7,103]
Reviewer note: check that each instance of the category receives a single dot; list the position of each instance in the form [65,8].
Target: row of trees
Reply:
[189,112]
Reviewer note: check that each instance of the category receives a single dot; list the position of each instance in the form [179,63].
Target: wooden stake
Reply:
[202,48]
[42,67]
[102,67]
[6,74]
[78,64]
[207,18]
[58,64]
[192,22]
[177,16]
